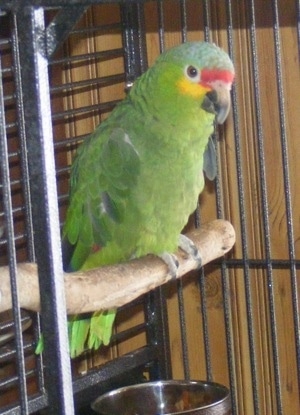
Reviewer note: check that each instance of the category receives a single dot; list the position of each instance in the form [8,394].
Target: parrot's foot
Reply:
[172,262]
[188,246]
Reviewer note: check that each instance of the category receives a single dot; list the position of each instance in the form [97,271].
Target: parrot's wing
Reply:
[210,160]
[103,174]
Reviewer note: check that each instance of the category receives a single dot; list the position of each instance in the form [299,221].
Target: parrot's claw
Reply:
[172,262]
[188,246]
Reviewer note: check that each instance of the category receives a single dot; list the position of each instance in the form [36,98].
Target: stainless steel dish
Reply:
[166,397]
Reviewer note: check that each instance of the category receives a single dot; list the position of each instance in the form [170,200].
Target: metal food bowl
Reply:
[166,397]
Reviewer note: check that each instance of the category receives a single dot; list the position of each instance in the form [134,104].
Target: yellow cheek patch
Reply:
[187,87]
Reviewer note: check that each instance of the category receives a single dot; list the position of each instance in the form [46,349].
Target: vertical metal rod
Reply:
[132,16]
[206,337]
[286,180]
[9,228]
[202,279]
[206,11]
[183,15]
[224,270]
[265,208]
[203,305]
[41,164]
[21,131]
[161,25]
[158,333]
[25,176]
[183,331]
[226,291]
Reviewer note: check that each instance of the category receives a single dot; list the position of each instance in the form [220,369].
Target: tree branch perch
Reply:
[116,285]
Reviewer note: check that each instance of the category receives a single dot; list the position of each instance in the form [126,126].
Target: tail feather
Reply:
[101,328]
[90,333]
[78,332]
[109,321]
[84,331]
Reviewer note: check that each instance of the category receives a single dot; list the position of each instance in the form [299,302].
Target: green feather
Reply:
[40,345]
[78,332]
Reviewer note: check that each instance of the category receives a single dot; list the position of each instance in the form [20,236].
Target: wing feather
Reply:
[210,160]
[105,170]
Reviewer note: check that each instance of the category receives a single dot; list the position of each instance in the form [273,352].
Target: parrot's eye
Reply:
[192,72]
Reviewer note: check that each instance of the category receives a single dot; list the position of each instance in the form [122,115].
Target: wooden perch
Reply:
[116,285]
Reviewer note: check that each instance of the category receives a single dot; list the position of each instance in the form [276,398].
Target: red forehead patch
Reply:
[211,75]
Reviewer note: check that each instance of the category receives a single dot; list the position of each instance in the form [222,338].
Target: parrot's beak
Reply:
[222,105]
[217,101]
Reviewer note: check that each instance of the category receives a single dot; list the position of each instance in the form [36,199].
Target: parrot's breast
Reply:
[170,181]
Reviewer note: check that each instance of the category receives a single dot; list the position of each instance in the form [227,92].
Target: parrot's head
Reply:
[202,72]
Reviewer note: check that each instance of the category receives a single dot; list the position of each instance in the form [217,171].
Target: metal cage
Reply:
[63,67]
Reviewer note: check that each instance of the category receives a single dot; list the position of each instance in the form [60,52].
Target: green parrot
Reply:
[136,179]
